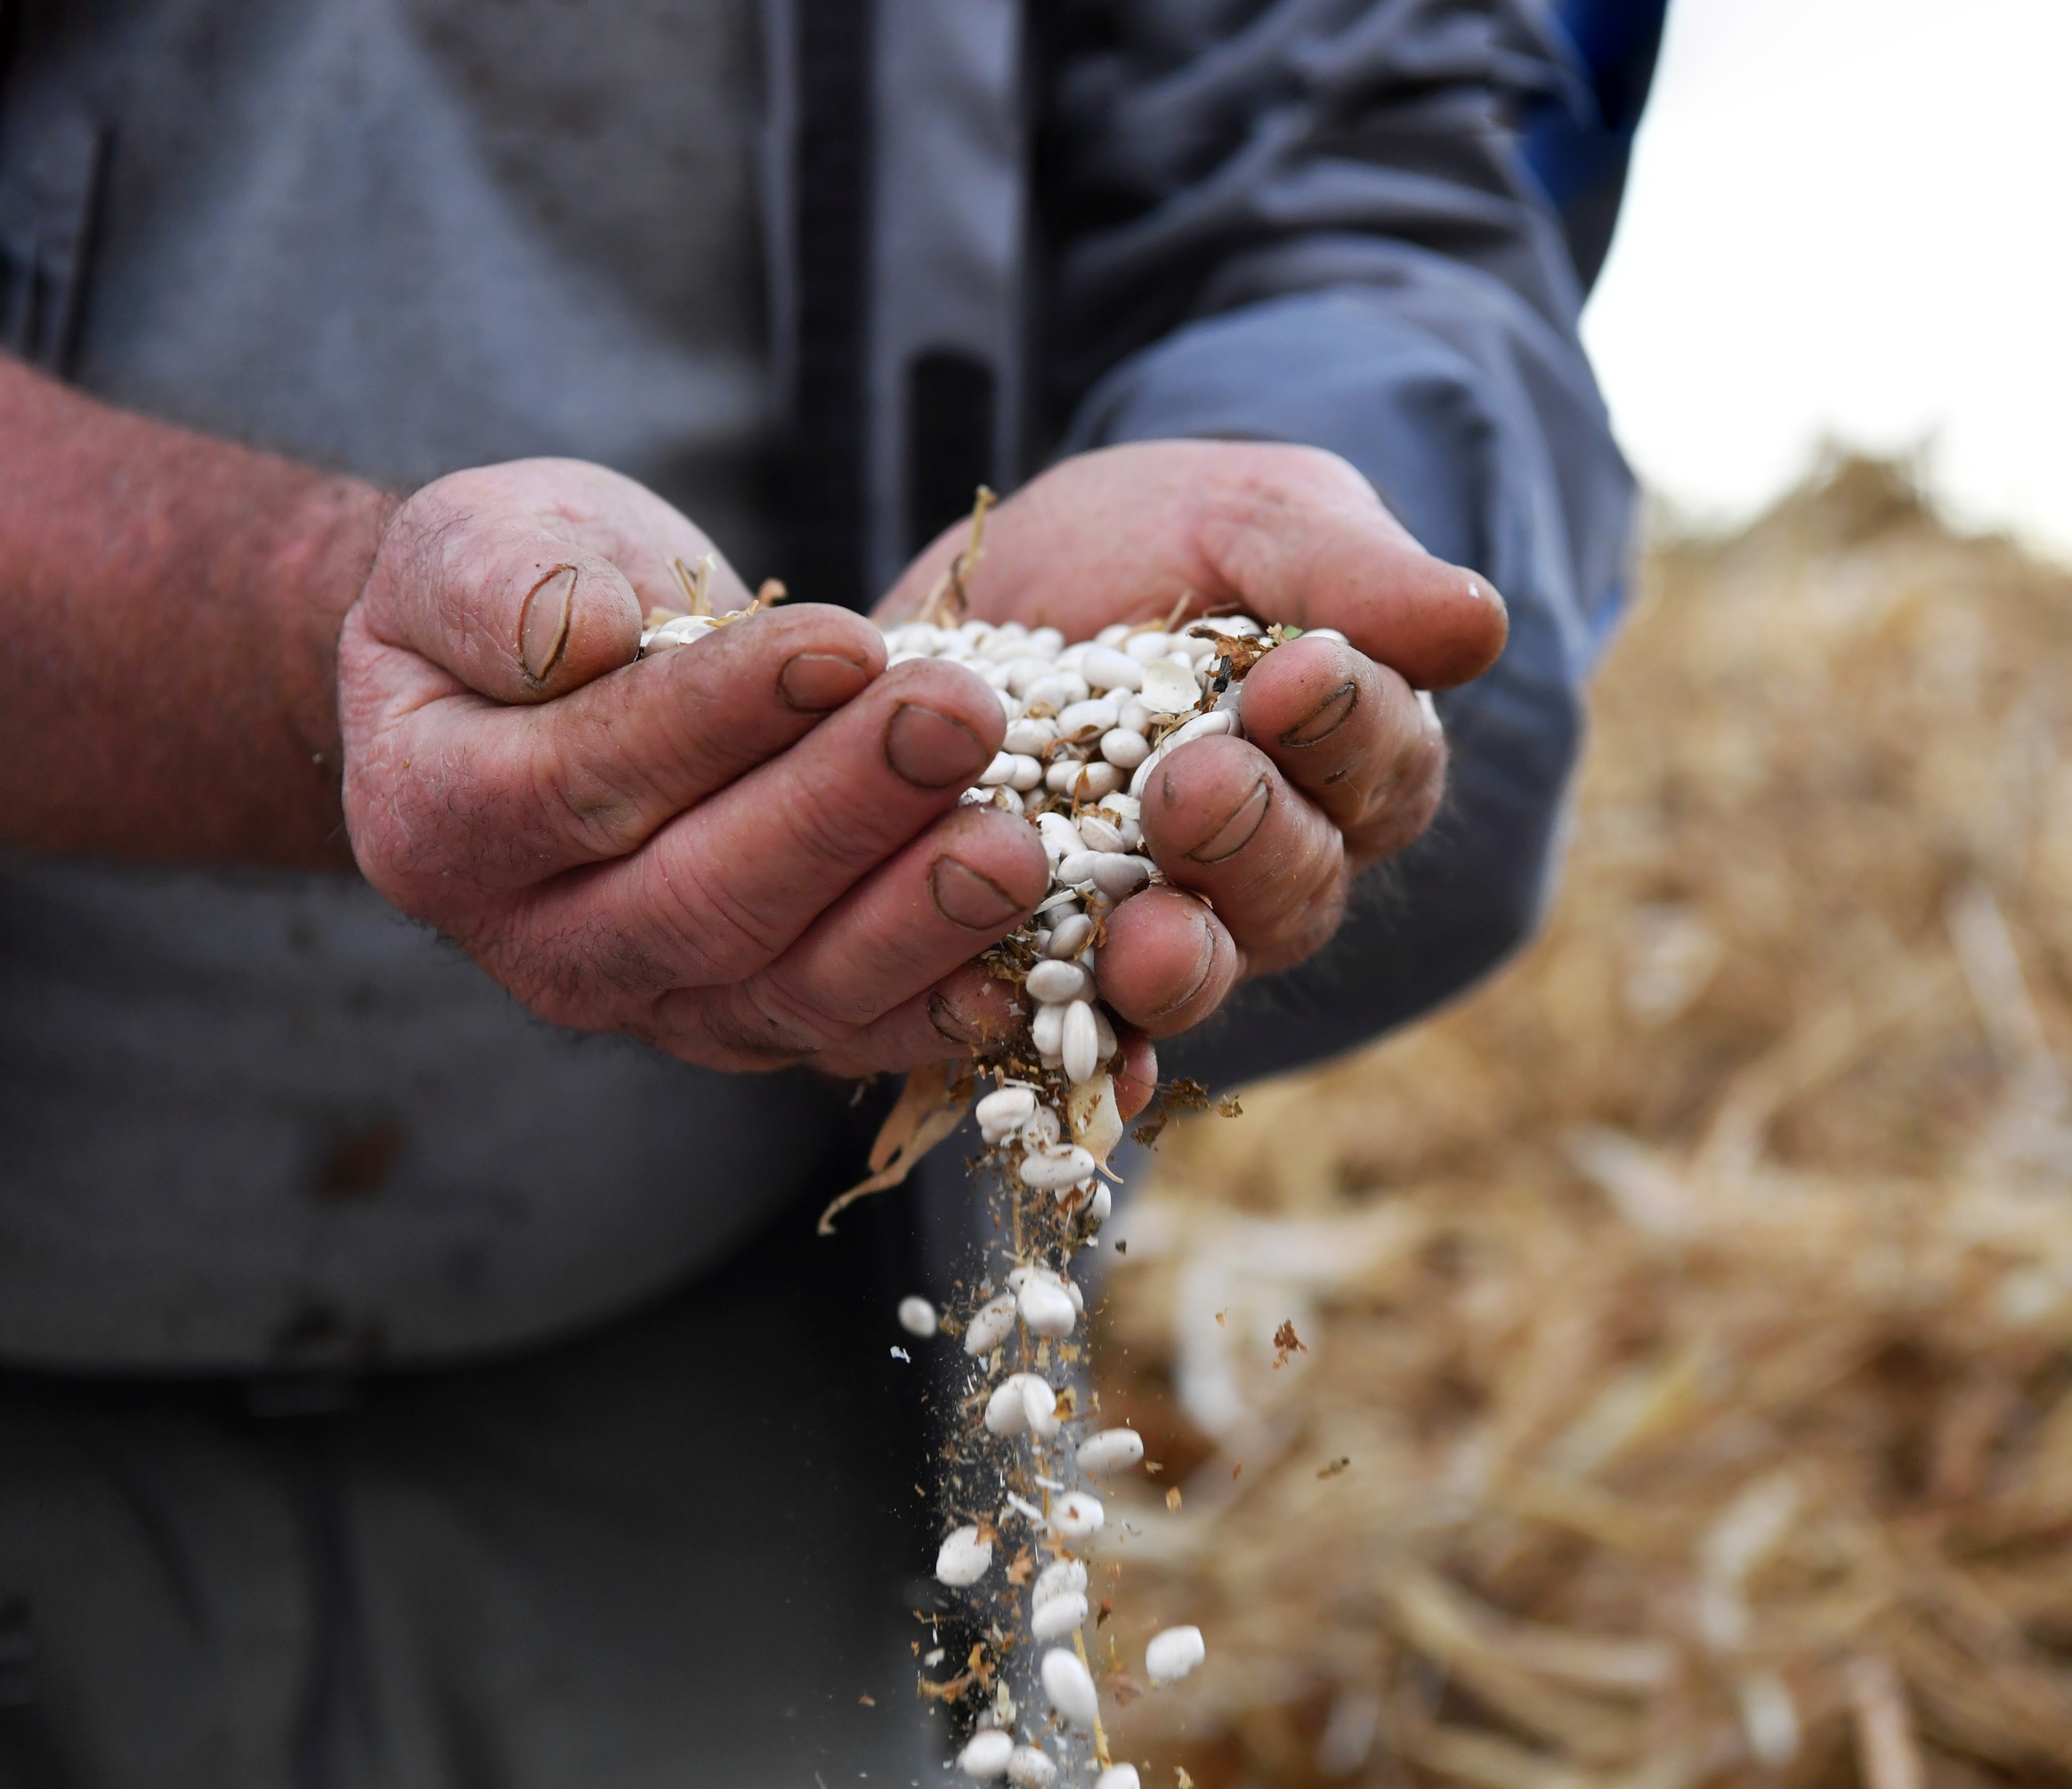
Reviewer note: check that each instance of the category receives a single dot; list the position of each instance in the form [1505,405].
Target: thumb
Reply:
[516,612]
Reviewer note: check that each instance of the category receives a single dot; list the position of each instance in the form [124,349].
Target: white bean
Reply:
[1024,674]
[1144,648]
[1068,934]
[1046,1030]
[1100,1206]
[1112,1450]
[1061,1577]
[1050,1168]
[985,1754]
[1173,1653]
[1054,983]
[1024,770]
[1106,668]
[1134,717]
[1099,833]
[1079,1042]
[1040,1132]
[917,1316]
[1098,779]
[1123,748]
[1039,1408]
[1070,1685]
[1200,727]
[1118,1776]
[1104,1037]
[1170,689]
[1056,1619]
[1044,1305]
[1029,1768]
[990,1325]
[1095,711]
[1030,738]
[1002,770]
[1047,641]
[1003,1112]
[1076,866]
[1007,1411]
[1118,874]
[1060,837]
[963,1558]
[1078,1514]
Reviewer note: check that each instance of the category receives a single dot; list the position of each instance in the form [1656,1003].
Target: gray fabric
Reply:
[670,1554]
[258,1119]
[948,169]
[399,237]
[262,1118]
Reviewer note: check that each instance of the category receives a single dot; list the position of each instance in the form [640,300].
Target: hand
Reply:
[1342,764]
[747,851]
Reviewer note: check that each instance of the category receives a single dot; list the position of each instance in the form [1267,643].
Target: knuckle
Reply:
[787,1020]
[721,937]
[826,829]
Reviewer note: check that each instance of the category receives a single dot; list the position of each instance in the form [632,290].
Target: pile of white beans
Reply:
[1087,724]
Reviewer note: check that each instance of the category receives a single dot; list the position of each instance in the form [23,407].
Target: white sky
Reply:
[1851,219]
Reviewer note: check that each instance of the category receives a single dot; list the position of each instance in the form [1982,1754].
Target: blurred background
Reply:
[1684,1394]
[1845,221]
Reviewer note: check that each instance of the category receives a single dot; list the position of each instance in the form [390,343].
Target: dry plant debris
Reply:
[1696,1299]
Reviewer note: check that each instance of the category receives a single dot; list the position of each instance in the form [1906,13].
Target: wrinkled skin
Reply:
[748,851]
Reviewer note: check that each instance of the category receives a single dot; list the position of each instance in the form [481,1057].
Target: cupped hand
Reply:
[748,851]
[1260,838]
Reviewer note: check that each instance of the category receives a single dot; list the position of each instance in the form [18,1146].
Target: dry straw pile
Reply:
[1688,1393]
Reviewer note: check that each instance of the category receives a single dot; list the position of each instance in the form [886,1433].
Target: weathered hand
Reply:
[1342,765]
[748,852]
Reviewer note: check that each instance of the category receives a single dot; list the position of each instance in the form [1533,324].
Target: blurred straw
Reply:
[1689,1393]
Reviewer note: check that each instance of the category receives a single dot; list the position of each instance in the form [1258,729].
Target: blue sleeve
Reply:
[1314,226]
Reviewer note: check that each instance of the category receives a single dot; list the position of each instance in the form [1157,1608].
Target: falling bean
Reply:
[963,1558]
[990,1325]
[1069,1687]
[1173,1653]
[1077,1514]
[1046,1306]
[1057,1617]
[985,1754]
[1029,1768]
[1111,1450]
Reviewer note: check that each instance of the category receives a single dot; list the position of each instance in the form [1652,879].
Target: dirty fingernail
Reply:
[812,682]
[931,749]
[1326,717]
[964,897]
[1206,966]
[1236,829]
[543,623]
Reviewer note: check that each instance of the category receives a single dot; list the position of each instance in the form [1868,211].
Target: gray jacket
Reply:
[257,1119]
